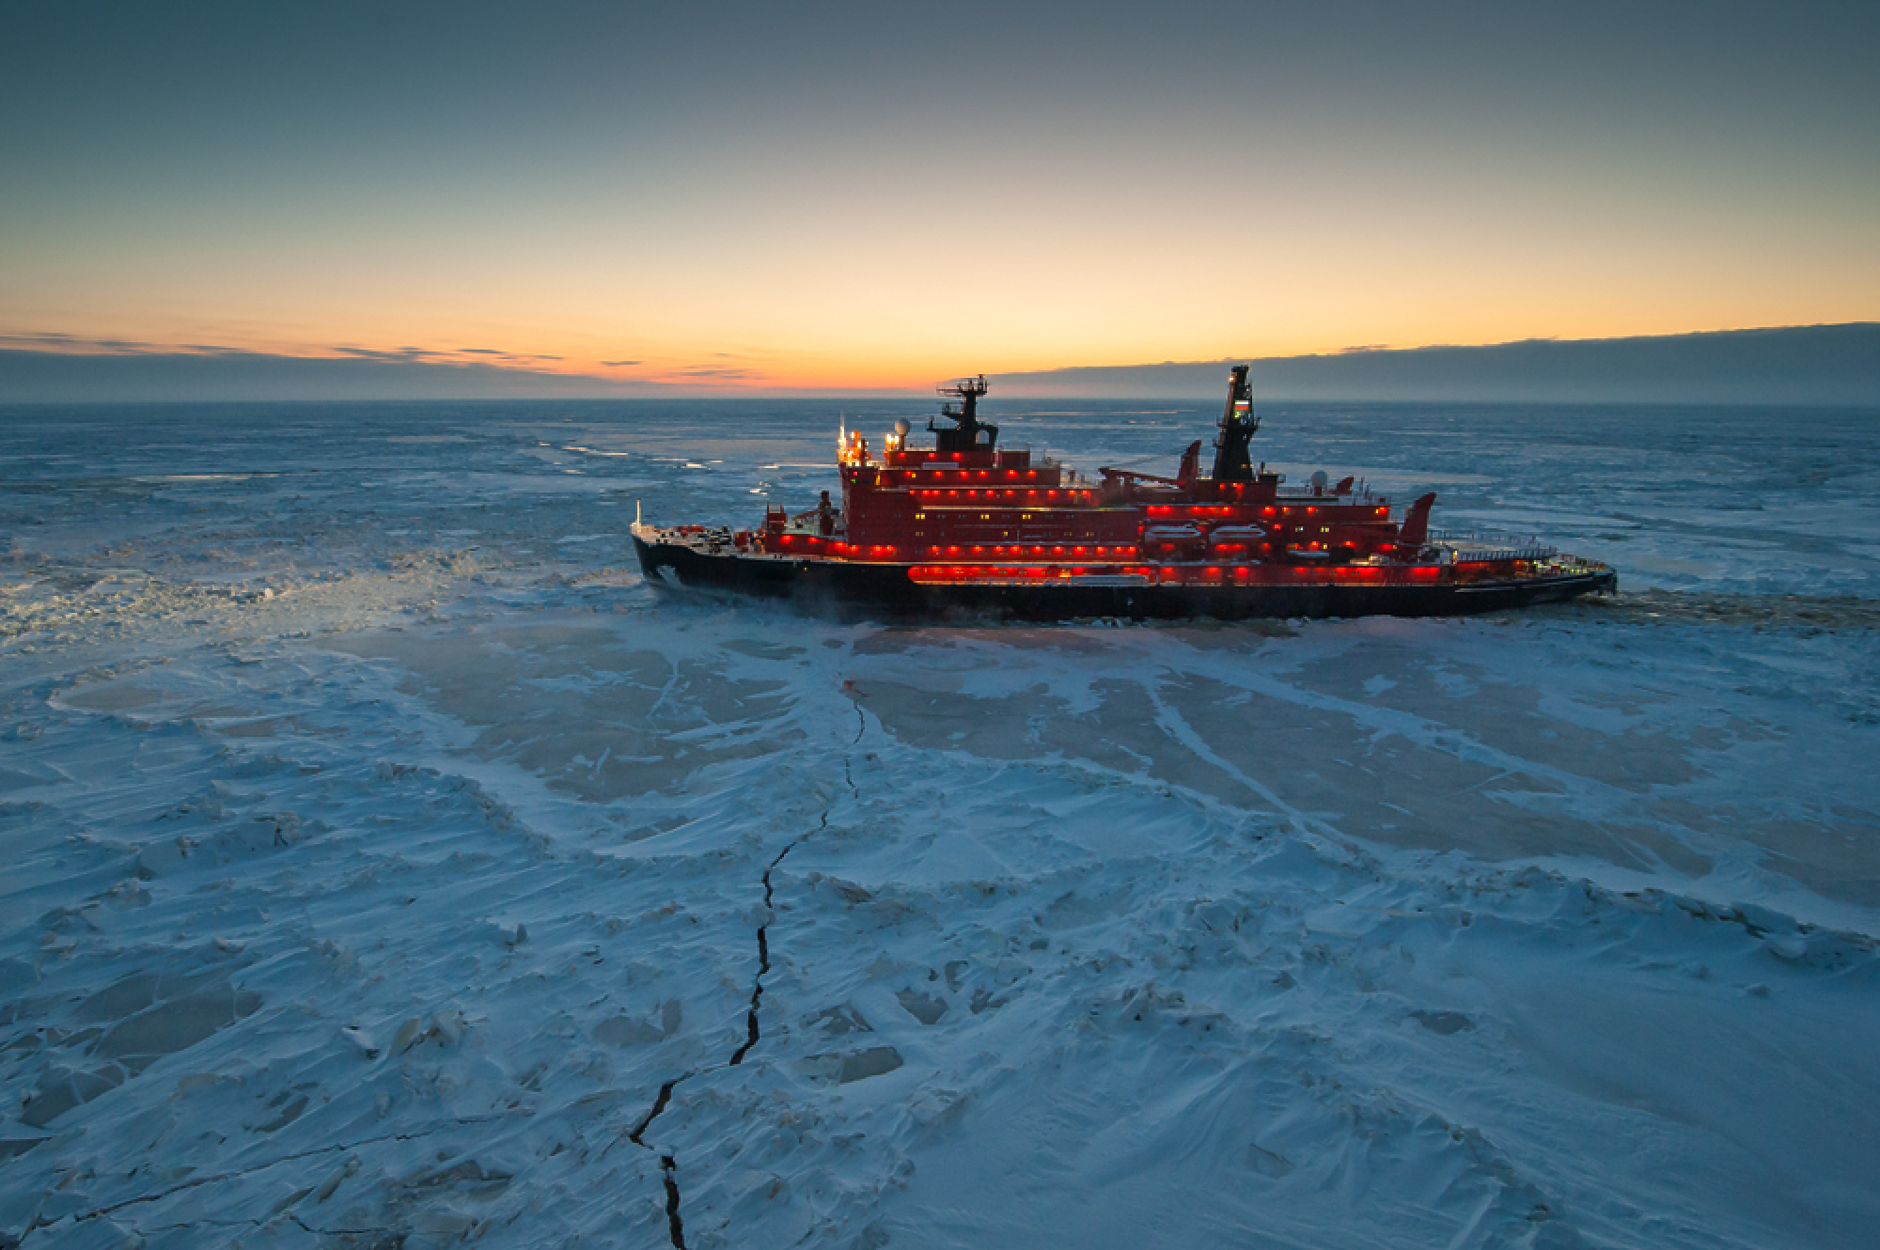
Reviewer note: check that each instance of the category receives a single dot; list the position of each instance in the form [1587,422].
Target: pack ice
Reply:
[386,864]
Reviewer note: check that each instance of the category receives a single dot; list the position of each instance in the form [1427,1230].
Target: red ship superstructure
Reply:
[966,523]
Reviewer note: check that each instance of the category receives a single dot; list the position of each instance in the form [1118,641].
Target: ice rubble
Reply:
[1085,934]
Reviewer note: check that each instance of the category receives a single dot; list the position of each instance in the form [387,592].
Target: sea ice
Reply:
[465,887]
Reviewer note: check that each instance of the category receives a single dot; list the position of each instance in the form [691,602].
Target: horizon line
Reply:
[1830,364]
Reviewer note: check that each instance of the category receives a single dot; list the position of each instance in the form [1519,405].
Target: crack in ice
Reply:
[669,1164]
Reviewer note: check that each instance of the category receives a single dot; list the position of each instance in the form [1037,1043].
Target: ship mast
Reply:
[966,432]
[1238,423]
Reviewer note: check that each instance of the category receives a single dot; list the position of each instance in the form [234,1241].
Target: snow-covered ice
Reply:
[385,860]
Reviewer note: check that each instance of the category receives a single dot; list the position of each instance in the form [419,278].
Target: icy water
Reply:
[384,860]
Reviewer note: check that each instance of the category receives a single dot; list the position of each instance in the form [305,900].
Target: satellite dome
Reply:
[901,427]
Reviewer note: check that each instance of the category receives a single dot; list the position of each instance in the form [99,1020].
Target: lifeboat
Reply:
[1234,541]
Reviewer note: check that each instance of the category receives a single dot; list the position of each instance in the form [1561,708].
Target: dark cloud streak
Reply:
[714,371]
[128,377]
[1836,365]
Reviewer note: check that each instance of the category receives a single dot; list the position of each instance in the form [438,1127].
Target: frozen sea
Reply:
[385,863]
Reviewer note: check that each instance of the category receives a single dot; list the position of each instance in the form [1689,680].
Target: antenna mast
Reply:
[1238,423]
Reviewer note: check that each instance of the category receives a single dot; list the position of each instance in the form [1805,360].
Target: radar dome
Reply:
[901,428]
[1319,479]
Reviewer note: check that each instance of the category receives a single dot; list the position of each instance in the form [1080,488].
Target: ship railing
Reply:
[1482,555]
[1305,494]
[1470,545]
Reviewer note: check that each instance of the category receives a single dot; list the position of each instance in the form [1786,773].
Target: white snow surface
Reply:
[387,864]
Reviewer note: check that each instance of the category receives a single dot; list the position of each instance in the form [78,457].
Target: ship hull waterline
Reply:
[851,588]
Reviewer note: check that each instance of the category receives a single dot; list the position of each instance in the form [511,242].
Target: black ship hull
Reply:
[858,589]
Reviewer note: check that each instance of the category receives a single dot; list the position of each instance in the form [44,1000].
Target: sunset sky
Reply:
[870,195]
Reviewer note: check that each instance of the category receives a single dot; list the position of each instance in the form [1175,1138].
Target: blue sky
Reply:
[861,195]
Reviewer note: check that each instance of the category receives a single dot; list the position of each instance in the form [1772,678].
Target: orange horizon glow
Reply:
[808,371]
[903,300]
